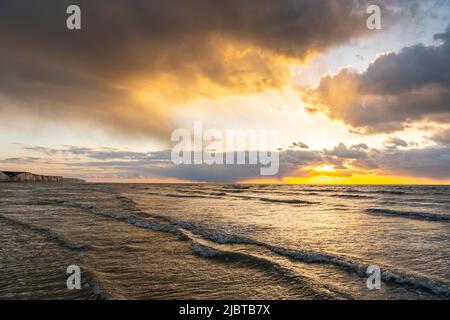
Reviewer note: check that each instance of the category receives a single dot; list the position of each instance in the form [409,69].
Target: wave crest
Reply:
[408,214]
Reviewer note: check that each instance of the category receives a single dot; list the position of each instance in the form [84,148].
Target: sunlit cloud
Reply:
[395,91]
[378,166]
[231,64]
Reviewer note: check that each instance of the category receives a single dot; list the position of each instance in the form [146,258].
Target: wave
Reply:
[288,201]
[223,192]
[350,196]
[198,195]
[408,214]
[129,219]
[267,265]
[284,193]
[220,237]
[412,203]
[201,192]
[237,186]
[328,192]
[45,232]
[321,190]
[234,191]
[313,257]
[219,195]
[273,200]
[396,192]
[434,200]
[174,195]
[98,290]
[356,267]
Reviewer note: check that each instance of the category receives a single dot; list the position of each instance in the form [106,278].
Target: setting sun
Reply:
[324,168]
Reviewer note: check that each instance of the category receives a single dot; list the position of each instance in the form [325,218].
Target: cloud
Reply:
[431,162]
[22,160]
[89,163]
[394,142]
[442,136]
[94,163]
[98,153]
[134,61]
[341,151]
[300,145]
[396,90]
[290,161]
[361,146]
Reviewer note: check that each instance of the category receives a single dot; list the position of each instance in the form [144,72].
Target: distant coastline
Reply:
[23,176]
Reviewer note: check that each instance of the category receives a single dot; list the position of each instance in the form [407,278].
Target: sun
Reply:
[324,168]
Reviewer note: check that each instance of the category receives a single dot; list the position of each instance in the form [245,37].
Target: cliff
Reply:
[10,176]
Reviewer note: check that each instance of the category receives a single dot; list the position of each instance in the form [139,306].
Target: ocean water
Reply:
[215,241]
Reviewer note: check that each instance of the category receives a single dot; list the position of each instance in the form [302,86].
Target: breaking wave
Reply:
[350,196]
[325,292]
[288,201]
[176,227]
[359,268]
[45,232]
[130,219]
[408,214]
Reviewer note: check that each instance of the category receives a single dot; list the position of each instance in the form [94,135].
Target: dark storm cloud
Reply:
[412,68]
[143,32]
[395,90]
[426,163]
[49,72]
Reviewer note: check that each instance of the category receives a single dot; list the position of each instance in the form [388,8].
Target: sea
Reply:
[224,241]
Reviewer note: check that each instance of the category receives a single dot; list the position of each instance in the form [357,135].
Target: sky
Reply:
[351,105]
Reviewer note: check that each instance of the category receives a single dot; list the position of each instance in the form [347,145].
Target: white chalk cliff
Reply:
[13,176]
